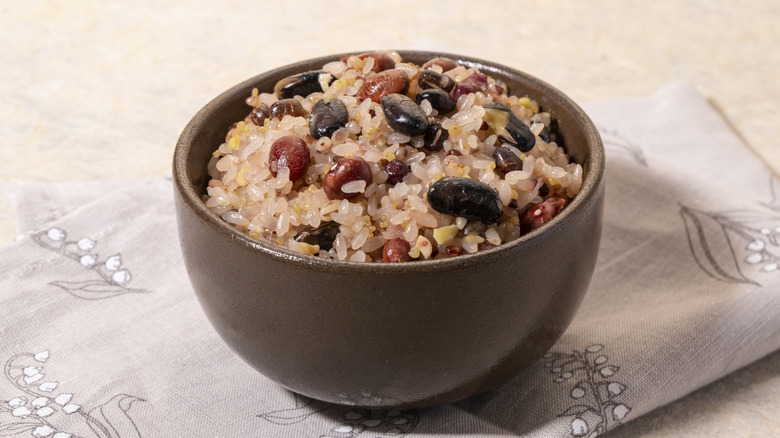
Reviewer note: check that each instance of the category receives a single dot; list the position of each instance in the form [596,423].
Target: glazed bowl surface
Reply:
[389,335]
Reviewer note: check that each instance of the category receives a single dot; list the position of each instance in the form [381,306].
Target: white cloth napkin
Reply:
[101,335]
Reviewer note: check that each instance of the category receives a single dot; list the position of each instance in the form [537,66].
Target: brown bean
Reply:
[259,114]
[347,170]
[291,152]
[383,83]
[446,64]
[382,61]
[396,250]
[287,107]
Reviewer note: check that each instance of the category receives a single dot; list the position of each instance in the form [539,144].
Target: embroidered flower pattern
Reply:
[595,391]
[114,277]
[37,410]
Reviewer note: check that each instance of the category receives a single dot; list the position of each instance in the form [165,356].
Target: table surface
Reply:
[101,90]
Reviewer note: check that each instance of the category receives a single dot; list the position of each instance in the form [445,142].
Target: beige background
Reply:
[98,90]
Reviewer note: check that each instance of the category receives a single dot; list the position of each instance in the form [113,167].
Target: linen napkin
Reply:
[101,334]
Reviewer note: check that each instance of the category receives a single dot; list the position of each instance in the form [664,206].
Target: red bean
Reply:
[396,250]
[472,84]
[347,170]
[396,171]
[291,152]
[541,213]
[384,83]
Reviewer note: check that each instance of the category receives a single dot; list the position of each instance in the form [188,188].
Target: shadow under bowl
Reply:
[397,335]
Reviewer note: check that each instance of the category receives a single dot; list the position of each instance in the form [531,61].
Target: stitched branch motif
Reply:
[595,391]
[736,246]
[353,421]
[38,409]
[615,141]
[111,279]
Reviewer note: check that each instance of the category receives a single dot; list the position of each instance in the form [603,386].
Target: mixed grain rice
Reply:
[244,192]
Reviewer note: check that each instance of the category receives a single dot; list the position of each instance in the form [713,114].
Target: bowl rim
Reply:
[592,184]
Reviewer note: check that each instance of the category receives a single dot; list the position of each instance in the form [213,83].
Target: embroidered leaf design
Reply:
[12,429]
[295,415]
[111,419]
[774,190]
[613,140]
[577,411]
[711,247]
[94,289]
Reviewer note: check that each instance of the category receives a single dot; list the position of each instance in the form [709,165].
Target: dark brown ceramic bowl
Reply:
[389,335]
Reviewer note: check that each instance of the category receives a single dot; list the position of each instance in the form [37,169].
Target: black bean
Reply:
[506,160]
[327,116]
[303,84]
[544,135]
[430,79]
[467,198]
[507,126]
[439,99]
[434,136]
[404,115]
[323,235]
[396,171]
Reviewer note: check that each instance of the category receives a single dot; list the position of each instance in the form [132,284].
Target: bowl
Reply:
[382,335]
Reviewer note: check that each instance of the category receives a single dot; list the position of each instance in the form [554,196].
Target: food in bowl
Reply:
[389,335]
[371,158]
